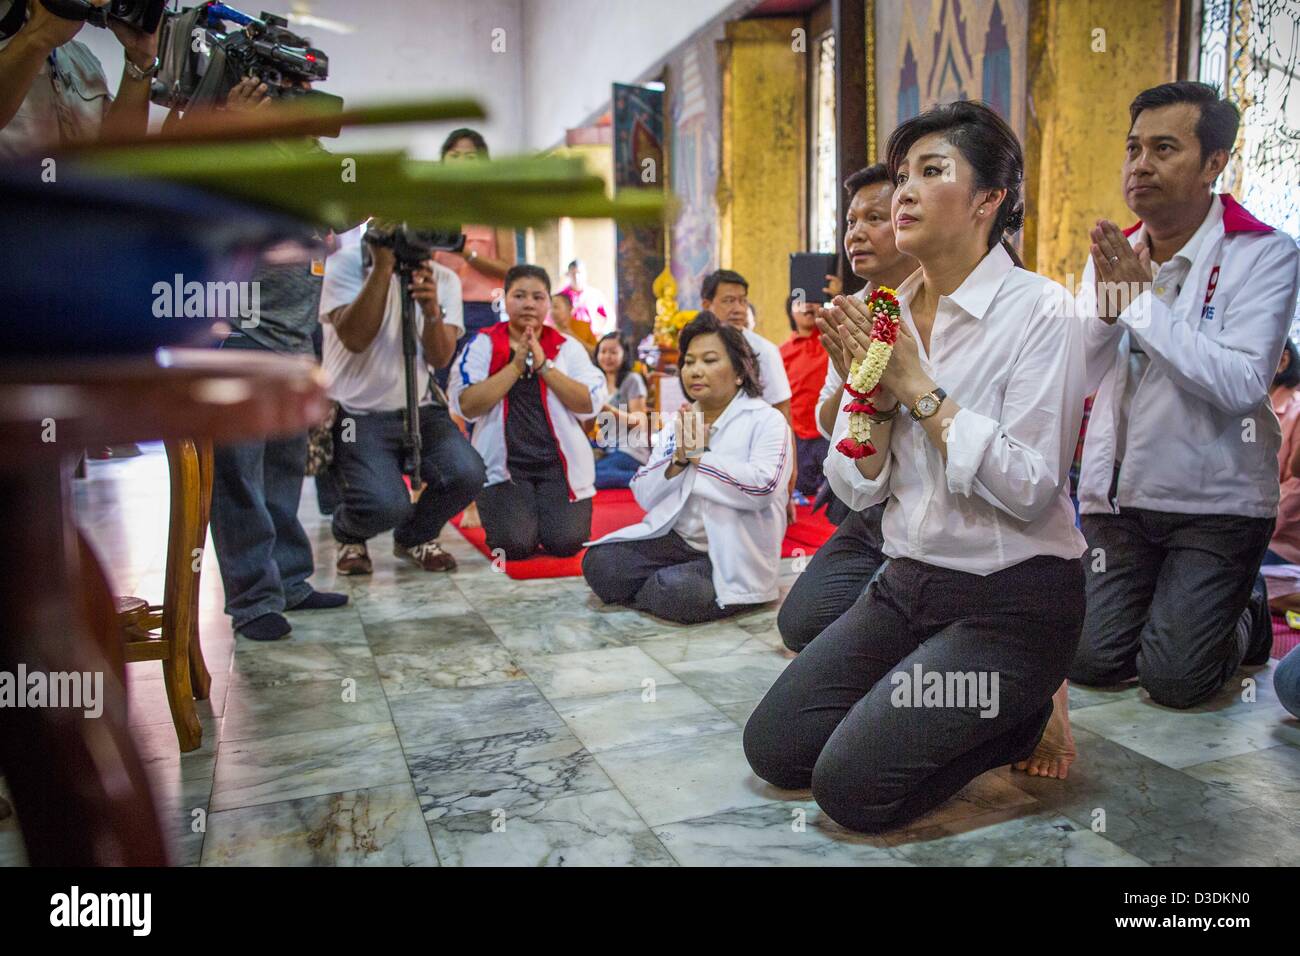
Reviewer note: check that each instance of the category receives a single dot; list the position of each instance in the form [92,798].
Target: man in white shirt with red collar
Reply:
[1184,318]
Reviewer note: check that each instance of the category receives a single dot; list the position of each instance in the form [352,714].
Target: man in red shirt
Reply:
[805,366]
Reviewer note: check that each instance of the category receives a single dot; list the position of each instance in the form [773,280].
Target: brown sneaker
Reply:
[428,556]
[354,559]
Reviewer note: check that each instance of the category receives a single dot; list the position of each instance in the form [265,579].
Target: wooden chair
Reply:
[169,632]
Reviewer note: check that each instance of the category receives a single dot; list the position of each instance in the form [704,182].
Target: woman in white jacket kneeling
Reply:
[528,389]
[715,497]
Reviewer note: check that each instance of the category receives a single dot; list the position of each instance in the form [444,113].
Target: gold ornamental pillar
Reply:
[763,176]
[1087,60]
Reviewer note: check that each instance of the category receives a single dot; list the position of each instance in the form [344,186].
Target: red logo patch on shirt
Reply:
[1214,281]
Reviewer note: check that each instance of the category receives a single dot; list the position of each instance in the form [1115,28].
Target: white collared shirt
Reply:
[1167,283]
[1200,436]
[1009,355]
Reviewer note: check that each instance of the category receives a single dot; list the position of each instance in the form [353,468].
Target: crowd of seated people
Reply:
[959,548]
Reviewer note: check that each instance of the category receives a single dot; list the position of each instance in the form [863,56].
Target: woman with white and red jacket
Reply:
[715,499]
[528,388]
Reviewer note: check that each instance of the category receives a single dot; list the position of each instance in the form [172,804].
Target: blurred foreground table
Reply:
[78,786]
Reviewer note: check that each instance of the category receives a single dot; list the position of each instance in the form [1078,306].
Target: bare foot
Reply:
[1055,751]
[470,518]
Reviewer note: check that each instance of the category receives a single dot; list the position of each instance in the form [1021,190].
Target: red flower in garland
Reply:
[855,449]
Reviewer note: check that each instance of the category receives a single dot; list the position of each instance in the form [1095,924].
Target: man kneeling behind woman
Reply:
[714,490]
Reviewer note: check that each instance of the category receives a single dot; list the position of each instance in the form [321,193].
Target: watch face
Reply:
[926,405]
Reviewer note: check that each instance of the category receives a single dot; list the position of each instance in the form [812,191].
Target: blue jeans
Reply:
[368,472]
[615,469]
[1286,681]
[262,549]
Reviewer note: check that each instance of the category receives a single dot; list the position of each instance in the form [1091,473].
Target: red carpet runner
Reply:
[614,509]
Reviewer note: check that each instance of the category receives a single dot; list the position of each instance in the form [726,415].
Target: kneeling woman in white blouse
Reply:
[715,500]
[947,666]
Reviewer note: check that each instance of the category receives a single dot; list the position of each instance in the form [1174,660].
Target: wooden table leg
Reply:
[200,679]
[78,785]
[180,590]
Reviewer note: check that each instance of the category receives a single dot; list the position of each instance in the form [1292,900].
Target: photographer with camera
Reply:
[53,90]
[361,311]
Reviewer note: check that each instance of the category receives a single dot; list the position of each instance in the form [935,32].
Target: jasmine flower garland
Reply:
[864,376]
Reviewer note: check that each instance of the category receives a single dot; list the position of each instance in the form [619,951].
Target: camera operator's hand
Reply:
[424,290]
[141,48]
[248,94]
[382,259]
[49,31]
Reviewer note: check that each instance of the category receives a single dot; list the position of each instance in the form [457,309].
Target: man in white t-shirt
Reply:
[726,295]
[361,316]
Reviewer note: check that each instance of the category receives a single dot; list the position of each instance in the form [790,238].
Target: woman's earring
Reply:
[981,210]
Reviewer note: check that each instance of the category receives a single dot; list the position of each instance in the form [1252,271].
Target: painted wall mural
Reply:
[695,108]
[937,51]
[638,163]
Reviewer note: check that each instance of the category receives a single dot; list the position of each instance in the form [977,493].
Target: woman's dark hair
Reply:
[625,367]
[867,176]
[733,340]
[1216,129]
[1291,376]
[526,271]
[456,135]
[986,142]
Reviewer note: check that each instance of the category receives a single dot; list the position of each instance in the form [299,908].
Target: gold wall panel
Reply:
[1079,95]
[763,177]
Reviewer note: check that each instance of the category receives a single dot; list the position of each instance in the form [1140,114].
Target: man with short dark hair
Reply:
[725,293]
[1185,315]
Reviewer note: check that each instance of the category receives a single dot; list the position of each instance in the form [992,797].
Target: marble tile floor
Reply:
[469,719]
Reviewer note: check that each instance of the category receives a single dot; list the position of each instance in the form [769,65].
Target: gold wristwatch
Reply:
[927,404]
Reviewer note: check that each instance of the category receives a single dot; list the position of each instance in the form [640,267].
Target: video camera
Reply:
[413,246]
[202,59]
[142,14]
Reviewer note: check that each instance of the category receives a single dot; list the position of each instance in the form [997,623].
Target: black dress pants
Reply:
[520,514]
[662,576]
[1166,596]
[836,576]
[854,716]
